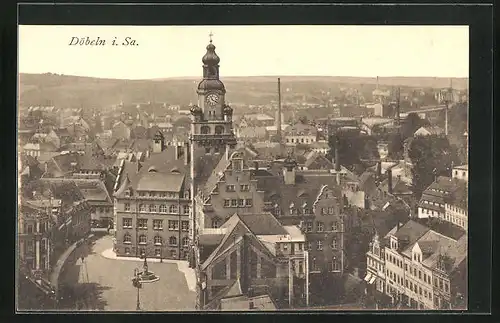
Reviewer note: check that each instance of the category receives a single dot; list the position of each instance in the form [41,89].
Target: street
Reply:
[100,284]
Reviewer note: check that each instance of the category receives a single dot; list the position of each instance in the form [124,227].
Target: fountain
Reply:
[145,276]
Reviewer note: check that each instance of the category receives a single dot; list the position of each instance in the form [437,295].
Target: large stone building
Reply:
[152,204]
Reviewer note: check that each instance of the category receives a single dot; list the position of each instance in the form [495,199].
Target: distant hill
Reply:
[78,91]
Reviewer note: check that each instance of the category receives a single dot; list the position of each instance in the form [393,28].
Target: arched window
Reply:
[185,241]
[172,209]
[219,130]
[127,238]
[158,240]
[142,239]
[152,208]
[215,222]
[205,130]
[172,241]
[163,208]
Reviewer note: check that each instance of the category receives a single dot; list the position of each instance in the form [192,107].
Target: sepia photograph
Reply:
[242,168]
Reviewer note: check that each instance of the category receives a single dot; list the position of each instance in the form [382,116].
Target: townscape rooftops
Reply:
[435,245]
[94,190]
[409,232]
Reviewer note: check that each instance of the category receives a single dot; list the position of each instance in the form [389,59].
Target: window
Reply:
[185,242]
[158,240]
[234,202]
[320,226]
[227,202]
[127,250]
[319,245]
[334,244]
[158,224]
[335,226]
[127,238]
[420,290]
[185,209]
[172,209]
[241,202]
[249,202]
[173,253]
[301,267]
[173,225]
[309,245]
[446,287]
[331,210]
[163,208]
[127,223]
[324,210]
[142,208]
[230,188]
[142,239]
[158,252]
[425,277]
[285,246]
[440,284]
[244,188]
[127,207]
[309,226]
[152,208]
[172,241]
[143,223]
[419,274]
[299,246]
[335,265]
[142,194]
[215,223]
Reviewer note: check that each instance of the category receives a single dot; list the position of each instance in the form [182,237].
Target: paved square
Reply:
[105,284]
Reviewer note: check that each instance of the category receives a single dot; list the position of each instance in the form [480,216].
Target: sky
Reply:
[176,51]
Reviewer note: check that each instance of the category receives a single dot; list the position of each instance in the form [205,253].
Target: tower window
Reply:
[205,130]
[219,130]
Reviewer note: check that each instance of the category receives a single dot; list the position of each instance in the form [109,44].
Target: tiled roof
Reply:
[435,246]
[162,182]
[409,233]
[276,192]
[93,190]
[263,224]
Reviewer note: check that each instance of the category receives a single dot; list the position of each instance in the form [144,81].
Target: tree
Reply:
[431,156]
[395,146]
[411,124]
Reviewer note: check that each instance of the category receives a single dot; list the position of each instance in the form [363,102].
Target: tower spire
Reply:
[210,35]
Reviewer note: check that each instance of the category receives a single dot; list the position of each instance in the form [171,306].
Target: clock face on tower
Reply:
[212,99]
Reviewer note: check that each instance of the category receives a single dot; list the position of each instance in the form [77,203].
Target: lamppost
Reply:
[136,282]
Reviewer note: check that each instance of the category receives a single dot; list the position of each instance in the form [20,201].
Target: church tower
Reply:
[211,123]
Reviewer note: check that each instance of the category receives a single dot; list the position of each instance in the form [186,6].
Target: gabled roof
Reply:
[263,224]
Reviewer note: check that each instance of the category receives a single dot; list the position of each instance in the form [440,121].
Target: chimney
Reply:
[337,155]
[398,101]
[278,121]
[389,181]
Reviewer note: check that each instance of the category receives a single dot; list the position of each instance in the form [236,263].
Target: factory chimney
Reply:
[398,102]
[278,117]
[389,181]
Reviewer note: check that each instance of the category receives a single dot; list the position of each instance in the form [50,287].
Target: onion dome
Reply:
[211,85]
[210,57]
[195,110]
[227,110]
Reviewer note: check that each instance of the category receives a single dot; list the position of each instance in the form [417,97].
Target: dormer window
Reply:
[127,193]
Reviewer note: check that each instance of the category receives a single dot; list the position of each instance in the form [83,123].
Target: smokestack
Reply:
[278,126]
[389,181]
[337,155]
[398,101]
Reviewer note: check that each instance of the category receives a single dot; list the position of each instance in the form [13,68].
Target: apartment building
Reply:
[418,268]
